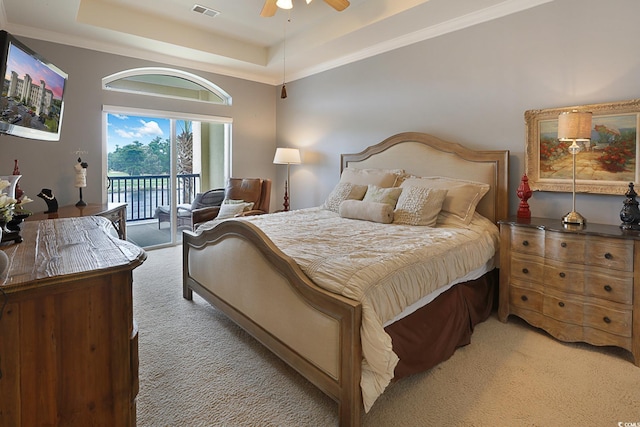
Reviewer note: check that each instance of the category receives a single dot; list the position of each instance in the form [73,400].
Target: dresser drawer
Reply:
[526,297]
[527,241]
[618,288]
[527,267]
[564,276]
[610,253]
[564,247]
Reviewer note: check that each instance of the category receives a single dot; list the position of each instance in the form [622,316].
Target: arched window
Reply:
[167,83]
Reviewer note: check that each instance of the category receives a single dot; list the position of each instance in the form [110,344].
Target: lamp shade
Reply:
[574,126]
[287,156]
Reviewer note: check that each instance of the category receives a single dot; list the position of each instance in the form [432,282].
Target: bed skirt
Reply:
[432,334]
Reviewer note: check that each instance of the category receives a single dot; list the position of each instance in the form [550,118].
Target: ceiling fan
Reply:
[271,6]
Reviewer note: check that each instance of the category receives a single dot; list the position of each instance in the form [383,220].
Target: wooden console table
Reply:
[114,212]
[68,341]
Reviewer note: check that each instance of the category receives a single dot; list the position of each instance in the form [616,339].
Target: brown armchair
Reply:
[254,190]
[204,200]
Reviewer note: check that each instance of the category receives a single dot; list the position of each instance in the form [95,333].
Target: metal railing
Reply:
[144,193]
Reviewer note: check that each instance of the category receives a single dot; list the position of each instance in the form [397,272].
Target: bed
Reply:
[331,333]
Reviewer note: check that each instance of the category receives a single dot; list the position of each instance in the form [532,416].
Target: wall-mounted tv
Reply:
[32,98]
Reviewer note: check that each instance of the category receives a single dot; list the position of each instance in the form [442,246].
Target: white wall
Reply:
[472,87]
[50,164]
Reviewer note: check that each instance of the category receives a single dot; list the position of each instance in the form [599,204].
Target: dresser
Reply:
[68,340]
[576,284]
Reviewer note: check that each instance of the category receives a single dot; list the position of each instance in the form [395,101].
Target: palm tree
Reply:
[185,157]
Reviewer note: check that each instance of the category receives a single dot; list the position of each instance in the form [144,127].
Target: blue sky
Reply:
[124,129]
[23,63]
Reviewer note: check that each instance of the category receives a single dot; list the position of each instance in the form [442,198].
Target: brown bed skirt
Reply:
[433,333]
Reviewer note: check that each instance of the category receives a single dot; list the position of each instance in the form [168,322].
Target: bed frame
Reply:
[238,270]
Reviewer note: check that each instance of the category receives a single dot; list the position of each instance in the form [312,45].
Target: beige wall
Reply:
[473,87]
[50,164]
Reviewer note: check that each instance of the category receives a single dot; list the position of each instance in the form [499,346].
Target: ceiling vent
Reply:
[205,10]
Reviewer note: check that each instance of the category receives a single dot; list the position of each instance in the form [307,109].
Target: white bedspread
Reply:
[386,267]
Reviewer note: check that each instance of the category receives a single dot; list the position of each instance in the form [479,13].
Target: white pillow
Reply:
[247,205]
[230,210]
[344,191]
[419,206]
[377,194]
[381,177]
[368,211]
[462,196]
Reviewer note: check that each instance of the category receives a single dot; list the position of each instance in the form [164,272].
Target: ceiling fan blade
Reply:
[269,9]
[338,5]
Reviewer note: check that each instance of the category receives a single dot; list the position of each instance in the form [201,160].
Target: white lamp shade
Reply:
[285,4]
[574,126]
[287,156]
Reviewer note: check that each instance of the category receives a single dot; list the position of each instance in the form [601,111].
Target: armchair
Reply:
[186,211]
[253,190]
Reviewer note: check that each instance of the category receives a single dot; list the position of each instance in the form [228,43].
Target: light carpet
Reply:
[198,369]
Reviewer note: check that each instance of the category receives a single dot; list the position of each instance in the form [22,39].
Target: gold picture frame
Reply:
[605,165]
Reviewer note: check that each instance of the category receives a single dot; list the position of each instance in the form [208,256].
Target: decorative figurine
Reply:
[48,196]
[16,171]
[524,193]
[81,179]
[630,214]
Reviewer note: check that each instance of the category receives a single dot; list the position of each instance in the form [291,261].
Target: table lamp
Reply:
[287,156]
[574,126]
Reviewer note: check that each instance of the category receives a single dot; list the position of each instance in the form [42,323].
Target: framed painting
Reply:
[604,165]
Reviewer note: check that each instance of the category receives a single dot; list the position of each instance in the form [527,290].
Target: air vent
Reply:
[205,10]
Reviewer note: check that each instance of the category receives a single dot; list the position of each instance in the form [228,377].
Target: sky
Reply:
[22,63]
[123,130]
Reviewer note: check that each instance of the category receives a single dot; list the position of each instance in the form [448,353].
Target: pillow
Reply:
[381,177]
[344,191]
[230,210]
[419,206]
[462,196]
[247,205]
[382,195]
[368,211]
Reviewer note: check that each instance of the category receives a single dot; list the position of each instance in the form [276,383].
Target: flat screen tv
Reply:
[32,99]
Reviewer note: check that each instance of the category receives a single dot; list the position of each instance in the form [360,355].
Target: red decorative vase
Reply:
[524,193]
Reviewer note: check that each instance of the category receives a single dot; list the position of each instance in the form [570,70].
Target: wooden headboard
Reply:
[422,154]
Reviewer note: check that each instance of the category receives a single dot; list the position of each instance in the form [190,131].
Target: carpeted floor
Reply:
[198,369]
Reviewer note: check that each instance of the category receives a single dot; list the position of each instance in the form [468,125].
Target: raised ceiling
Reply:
[240,43]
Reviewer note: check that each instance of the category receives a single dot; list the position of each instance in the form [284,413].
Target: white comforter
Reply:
[386,267]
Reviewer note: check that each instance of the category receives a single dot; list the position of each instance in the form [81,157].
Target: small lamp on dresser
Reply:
[287,156]
[574,126]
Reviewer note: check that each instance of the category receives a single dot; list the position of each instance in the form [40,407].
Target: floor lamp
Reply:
[287,156]
[574,126]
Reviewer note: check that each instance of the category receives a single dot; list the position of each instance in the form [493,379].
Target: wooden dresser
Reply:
[68,341]
[578,285]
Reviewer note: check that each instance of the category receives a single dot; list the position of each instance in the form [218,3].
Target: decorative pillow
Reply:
[381,177]
[382,195]
[344,191]
[368,211]
[230,210]
[419,206]
[462,196]
[247,205]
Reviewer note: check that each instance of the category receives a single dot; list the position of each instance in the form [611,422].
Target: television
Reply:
[32,98]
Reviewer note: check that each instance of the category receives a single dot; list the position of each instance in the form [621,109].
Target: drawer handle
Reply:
[525,243]
[561,304]
[563,244]
[562,274]
[606,319]
[608,256]
[608,288]
[525,270]
[524,298]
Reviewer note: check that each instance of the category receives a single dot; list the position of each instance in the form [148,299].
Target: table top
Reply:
[72,211]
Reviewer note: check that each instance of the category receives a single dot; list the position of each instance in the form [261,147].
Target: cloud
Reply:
[147,128]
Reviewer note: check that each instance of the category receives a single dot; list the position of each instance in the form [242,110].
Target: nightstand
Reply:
[578,285]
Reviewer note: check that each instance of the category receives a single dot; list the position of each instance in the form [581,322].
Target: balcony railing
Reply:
[145,193]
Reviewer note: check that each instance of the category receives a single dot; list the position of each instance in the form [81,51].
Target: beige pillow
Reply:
[343,191]
[247,205]
[381,177]
[367,211]
[462,196]
[377,194]
[230,210]
[419,206]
